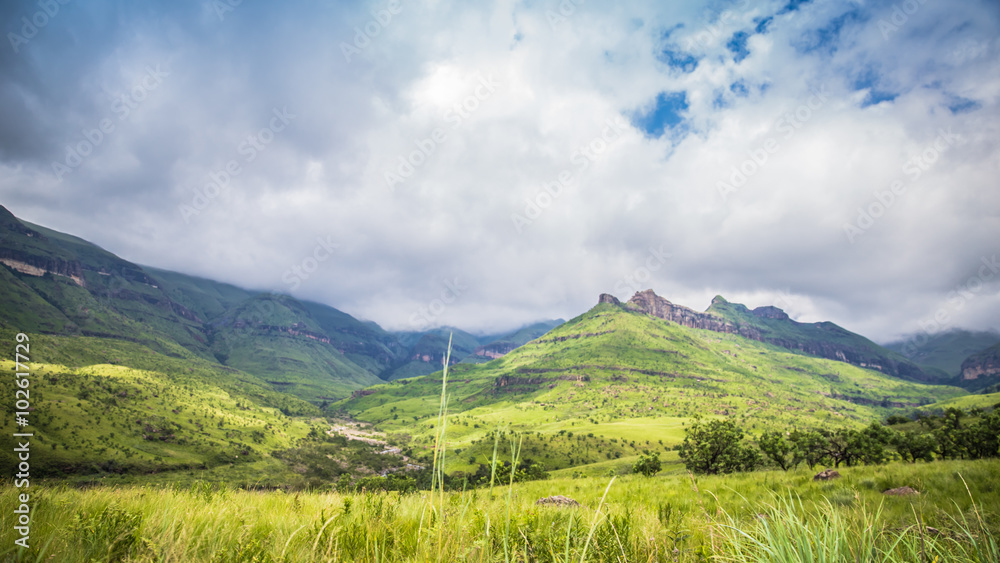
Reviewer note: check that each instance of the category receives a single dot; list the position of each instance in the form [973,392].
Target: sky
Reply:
[488,164]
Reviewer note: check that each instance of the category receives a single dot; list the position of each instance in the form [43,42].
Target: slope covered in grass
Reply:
[104,405]
[613,373]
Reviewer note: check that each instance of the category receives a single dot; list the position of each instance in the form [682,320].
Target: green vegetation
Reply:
[716,447]
[669,517]
[945,350]
[611,383]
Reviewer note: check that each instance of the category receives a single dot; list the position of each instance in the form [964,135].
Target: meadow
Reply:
[674,516]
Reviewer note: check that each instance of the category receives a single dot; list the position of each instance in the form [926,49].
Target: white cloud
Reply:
[555,90]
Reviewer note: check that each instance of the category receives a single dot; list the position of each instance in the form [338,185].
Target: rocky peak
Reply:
[770,312]
[608,298]
[652,304]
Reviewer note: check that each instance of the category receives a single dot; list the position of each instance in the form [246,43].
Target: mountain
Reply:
[773,326]
[620,372]
[982,369]
[947,350]
[509,342]
[427,349]
[54,283]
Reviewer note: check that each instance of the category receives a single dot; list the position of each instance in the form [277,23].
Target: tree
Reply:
[869,445]
[647,465]
[778,449]
[913,446]
[717,447]
[950,441]
[810,447]
[983,438]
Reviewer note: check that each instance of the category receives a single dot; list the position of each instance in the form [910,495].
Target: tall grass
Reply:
[786,532]
[776,516]
[660,519]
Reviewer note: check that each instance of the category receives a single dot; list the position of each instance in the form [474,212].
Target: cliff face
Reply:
[495,350]
[982,366]
[652,304]
[40,265]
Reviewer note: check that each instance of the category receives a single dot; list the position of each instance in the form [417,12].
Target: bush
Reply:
[717,446]
[647,465]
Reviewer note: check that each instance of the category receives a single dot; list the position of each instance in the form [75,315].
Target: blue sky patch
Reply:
[740,89]
[738,45]
[666,113]
[827,38]
[791,6]
[868,79]
[959,105]
[763,24]
[685,62]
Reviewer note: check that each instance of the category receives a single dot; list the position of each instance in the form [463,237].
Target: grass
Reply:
[623,382]
[664,518]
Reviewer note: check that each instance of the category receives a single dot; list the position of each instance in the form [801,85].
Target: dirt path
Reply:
[362,432]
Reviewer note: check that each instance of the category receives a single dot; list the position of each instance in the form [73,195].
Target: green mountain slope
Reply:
[109,405]
[425,350]
[945,350]
[54,283]
[773,326]
[616,372]
[509,342]
[276,337]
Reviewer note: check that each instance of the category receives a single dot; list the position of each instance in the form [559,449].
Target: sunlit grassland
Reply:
[641,519]
[967,402]
[613,374]
[111,406]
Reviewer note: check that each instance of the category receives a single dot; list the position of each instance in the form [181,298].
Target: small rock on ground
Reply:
[557,500]
[901,491]
[826,475]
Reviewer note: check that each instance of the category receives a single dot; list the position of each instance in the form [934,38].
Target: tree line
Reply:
[721,446]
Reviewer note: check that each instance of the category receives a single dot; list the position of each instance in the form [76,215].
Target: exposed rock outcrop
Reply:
[39,266]
[608,298]
[983,365]
[770,312]
[652,304]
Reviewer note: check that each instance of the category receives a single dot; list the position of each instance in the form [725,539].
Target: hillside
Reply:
[615,373]
[113,406]
[508,343]
[54,283]
[773,326]
[945,350]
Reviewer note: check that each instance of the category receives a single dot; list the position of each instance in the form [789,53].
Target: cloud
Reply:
[490,113]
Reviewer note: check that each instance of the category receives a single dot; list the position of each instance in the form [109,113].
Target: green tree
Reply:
[810,447]
[950,441]
[778,449]
[912,446]
[648,465]
[982,439]
[869,445]
[717,446]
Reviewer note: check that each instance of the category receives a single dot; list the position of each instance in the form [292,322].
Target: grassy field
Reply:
[669,517]
[615,383]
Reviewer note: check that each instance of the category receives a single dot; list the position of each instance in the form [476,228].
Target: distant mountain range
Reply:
[54,283]
[640,369]
[146,370]
[969,359]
